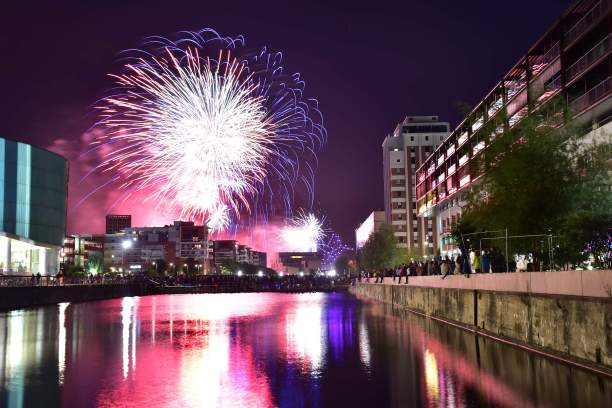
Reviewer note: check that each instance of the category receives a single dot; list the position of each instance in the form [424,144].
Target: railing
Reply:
[593,95]
[584,23]
[589,58]
[541,62]
[47,280]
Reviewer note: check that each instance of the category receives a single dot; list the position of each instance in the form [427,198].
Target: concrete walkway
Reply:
[596,283]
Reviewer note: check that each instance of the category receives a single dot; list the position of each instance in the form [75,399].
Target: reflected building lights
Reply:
[127,309]
[14,361]
[431,377]
[61,342]
[364,344]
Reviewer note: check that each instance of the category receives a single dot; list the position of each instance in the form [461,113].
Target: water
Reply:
[261,350]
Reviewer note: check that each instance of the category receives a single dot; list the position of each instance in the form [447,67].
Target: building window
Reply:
[412,138]
[426,137]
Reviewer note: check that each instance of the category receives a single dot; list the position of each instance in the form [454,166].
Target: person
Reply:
[458,262]
[465,260]
[476,262]
[404,273]
[485,260]
[397,273]
[512,265]
[450,265]
[444,269]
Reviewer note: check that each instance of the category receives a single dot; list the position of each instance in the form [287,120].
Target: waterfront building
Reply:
[77,249]
[293,263]
[117,222]
[412,141]
[370,225]
[571,61]
[33,191]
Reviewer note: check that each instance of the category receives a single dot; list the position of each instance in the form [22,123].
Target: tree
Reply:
[342,263]
[541,179]
[161,266]
[379,251]
[95,263]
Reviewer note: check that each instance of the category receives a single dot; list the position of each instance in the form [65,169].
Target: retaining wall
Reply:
[578,327]
[32,296]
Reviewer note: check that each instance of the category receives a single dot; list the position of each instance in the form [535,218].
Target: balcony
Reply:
[462,139]
[540,62]
[594,55]
[592,96]
[585,22]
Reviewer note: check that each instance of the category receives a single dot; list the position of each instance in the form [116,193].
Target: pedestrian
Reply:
[476,262]
[444,269]
[450,264]
[485,260]
[458,263]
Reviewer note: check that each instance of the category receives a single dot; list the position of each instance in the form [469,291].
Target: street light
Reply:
[260,274]
[239,273]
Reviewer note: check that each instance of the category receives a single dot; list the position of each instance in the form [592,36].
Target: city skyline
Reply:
[436,69]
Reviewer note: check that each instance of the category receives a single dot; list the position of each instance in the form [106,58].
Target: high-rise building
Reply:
[412,141]
[33,191]
[572,61]
[116,223]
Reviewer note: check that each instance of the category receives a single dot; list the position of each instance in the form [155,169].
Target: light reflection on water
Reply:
[264,350]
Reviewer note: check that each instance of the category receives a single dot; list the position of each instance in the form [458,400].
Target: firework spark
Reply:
[303,233]
[203,128]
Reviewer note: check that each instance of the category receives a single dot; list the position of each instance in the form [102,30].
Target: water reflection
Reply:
[264,350]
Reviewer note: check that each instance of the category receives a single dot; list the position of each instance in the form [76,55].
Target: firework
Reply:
[204,128]
[303,233]
[332,247]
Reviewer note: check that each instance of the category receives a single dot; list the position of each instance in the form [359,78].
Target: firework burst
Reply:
[303,233]
[205,128]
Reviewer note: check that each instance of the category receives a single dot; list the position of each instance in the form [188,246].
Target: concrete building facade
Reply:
[412,141]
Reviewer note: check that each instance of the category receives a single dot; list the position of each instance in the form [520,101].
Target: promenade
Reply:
[593,283]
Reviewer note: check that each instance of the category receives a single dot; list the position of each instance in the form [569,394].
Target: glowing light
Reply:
[61,343]
[260,274]
[202,128]
[431,376]
[281,274]
[126,244]
[331,273]
[301,274]
[303,233]
[239,273]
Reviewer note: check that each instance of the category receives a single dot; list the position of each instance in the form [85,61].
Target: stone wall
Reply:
[32,296]
[579,328]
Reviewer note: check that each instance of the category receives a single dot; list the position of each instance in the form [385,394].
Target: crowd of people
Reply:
[463,263]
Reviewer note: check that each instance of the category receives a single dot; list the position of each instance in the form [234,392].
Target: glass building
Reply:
[33,196]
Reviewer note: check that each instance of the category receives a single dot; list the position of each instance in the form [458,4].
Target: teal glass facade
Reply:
[33,193]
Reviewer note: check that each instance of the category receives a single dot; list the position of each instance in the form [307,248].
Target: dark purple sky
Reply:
[369,66]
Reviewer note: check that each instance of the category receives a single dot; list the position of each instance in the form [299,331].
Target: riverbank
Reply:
[567,315]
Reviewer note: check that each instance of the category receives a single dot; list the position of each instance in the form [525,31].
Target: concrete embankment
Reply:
[569,314]
[31,296]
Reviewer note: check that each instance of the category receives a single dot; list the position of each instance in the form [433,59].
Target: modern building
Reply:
[292,263]
[116,223]
[77,250]
[225,252]
[412,141]
[259,258]
[33,196]
[368,226]
[138,248]
[572,61]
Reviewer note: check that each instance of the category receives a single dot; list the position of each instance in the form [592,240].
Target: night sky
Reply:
[369,66]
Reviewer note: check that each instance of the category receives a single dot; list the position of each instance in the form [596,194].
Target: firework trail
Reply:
[332,247]
[204,128]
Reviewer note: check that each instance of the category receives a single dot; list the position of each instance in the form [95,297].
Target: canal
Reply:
[268,349]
